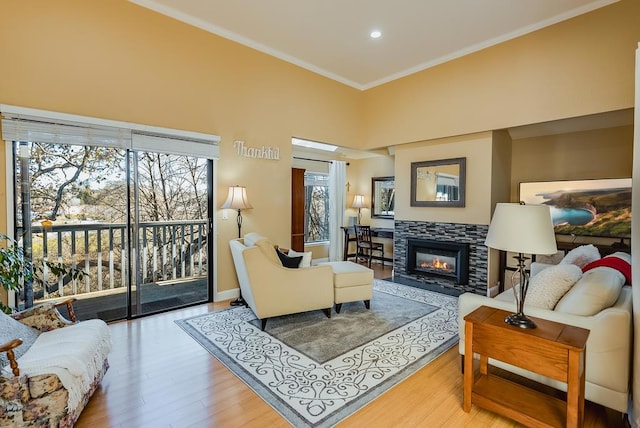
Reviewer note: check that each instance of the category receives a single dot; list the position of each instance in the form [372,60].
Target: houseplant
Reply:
[18,271]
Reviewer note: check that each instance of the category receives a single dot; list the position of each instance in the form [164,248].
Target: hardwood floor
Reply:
[160,377]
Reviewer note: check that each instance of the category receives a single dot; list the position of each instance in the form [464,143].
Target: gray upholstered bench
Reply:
[351,282]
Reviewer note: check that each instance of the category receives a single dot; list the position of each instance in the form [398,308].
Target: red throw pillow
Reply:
[614,262]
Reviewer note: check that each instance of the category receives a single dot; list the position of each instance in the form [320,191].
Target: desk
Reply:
[350,236]
[553,349]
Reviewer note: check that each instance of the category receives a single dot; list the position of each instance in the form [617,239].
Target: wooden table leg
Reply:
[583,375]
[575,389]
[468,366]
[484,365]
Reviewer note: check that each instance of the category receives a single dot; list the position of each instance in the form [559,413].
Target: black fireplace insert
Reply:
[436,258]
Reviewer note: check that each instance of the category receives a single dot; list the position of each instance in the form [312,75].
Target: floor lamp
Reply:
[522,229]
[237,200]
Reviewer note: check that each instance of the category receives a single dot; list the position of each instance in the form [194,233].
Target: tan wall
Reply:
[115,60]
[601,153]
[574,68]
[477,149]
[501,167]
[500,187]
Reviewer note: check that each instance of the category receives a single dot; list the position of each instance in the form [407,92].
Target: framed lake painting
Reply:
[584,207]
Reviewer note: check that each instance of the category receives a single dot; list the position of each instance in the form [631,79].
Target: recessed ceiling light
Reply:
[375,34]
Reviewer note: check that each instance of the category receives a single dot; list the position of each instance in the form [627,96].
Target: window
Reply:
[316,207]
[130,207]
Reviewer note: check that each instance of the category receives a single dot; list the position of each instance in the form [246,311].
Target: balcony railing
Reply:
[169,251]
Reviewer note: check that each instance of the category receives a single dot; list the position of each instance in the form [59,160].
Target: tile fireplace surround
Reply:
[473,234]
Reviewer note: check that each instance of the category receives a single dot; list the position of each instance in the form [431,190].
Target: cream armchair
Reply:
[271,290]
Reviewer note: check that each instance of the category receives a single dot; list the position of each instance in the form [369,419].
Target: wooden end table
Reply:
[553,350]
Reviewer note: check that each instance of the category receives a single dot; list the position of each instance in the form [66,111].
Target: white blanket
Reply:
[74,353]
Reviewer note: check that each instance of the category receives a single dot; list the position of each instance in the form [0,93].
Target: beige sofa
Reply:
[270,289]
[608,356]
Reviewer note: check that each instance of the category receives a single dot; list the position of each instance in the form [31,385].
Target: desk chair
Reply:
[365,246]
[349,236]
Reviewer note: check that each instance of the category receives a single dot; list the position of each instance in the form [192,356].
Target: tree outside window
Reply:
[316,206]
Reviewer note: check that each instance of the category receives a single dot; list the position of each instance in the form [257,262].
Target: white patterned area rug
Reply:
[314,370]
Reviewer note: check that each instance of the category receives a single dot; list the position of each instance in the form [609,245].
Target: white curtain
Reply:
[634,411]
[337,195]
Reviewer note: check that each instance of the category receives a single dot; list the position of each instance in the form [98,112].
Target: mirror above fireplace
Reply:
[438,183]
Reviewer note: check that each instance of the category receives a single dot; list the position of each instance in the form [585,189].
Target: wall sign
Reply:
[264,152]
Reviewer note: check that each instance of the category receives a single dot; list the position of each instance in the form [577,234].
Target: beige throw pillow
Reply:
[598,289]
[548,286]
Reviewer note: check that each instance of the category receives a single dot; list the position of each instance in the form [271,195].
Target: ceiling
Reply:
[331,37]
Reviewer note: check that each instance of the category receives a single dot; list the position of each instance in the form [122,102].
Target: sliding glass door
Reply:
[171,223]
[136,222]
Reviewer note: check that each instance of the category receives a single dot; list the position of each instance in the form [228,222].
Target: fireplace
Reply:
[443,259]
[471,236]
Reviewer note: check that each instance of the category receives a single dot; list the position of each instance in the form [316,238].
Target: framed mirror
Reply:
[438,183]
[382,197]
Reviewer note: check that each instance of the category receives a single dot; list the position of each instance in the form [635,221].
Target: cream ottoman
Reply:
[351,282]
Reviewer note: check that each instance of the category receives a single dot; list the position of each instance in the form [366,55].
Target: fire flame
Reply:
[436,263]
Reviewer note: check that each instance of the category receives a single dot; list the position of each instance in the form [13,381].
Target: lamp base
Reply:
[520,320]
[238,302]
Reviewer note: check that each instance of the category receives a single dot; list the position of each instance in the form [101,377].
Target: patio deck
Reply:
[110,305]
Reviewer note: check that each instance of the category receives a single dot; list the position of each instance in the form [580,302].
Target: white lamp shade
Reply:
[237,199]
[526,229]
[358,202]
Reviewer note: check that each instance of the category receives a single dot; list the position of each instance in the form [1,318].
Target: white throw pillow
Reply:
[582,255]
[537,267]
[548,286]
[599,288]
[306,257]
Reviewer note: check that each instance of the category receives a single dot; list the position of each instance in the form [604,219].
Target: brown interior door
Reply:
[297,209]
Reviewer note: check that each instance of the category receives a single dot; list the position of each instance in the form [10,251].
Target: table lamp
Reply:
[358,202]
[522,229]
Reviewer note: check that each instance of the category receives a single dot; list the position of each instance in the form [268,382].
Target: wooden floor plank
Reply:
[161,377]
